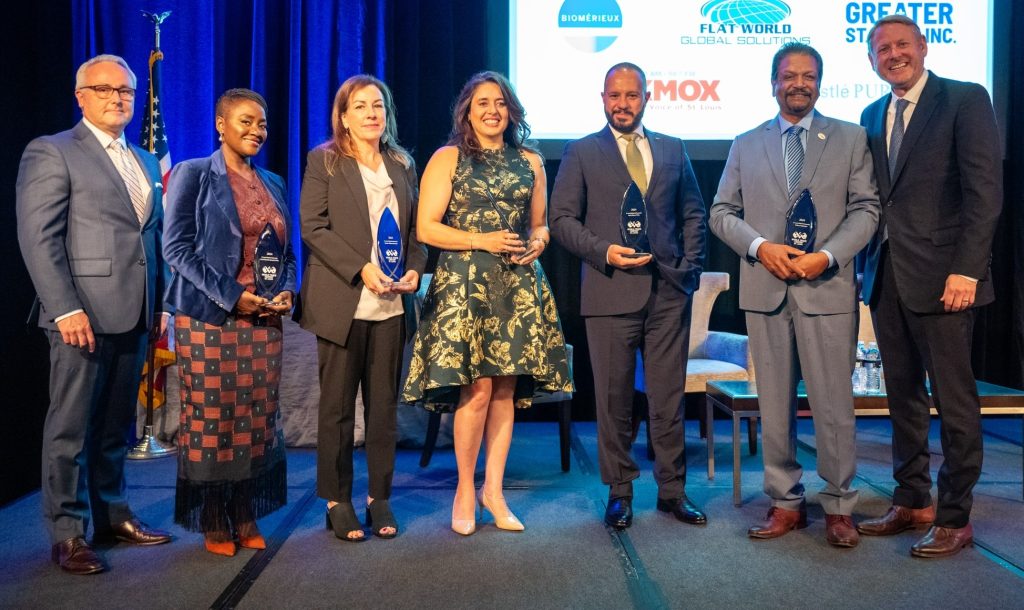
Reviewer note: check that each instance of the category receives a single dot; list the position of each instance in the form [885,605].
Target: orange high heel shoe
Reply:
[252,542]
[225,548]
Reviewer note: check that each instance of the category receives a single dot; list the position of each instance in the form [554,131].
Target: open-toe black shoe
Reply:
[379,516]
[342,519]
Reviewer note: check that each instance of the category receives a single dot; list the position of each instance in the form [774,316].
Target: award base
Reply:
[400,285]
[149,447]
[636,255]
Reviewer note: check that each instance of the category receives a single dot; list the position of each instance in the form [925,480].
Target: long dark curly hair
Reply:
[462,135]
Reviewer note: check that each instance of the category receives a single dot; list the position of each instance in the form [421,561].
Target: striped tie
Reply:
[131,179]
[794,158]
[896,137]
[635,162]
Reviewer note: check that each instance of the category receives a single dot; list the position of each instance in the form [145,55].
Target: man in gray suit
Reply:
[634,302]
[90,212]
[801,307]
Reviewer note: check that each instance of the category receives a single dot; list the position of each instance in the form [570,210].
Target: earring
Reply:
[220,137]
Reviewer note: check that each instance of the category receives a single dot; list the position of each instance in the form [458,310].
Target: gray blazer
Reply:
[80,238]
[752,201]
[335,221]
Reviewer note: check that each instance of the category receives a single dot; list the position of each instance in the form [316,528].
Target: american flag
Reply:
[154,134]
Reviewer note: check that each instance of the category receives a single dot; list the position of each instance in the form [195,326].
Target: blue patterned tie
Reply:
[794,158]
[896,137]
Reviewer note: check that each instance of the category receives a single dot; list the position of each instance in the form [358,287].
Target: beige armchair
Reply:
[713,354]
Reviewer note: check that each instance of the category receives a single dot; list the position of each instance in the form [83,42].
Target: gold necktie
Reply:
[635,162]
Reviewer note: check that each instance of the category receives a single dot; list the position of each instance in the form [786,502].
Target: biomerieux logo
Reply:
[590,25]
[745,12]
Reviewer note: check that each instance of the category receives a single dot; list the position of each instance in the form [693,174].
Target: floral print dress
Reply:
[484,316]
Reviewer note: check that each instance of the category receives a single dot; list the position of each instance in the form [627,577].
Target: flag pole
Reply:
[149,446]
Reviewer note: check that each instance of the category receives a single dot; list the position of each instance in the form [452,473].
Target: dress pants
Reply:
[85,437]
[787,344]
[661,330]
[910,344]
[371,359]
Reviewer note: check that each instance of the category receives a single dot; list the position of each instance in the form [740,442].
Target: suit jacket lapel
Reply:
[817,140]
[221,188]
[613,158]
[94,151]
[354,183]
[657,157]
[773,149]
[876,142]
[926,105]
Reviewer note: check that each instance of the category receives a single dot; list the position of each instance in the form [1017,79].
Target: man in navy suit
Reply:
[938,163]
[90,211]
[632,302]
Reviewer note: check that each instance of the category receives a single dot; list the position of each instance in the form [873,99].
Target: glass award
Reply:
[633,221]
[513,227]
[268,264]
[802,223]
[390,256]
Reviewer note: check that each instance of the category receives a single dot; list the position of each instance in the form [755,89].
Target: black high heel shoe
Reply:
[341,518]
[379,516]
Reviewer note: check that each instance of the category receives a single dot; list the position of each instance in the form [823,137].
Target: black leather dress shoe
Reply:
[75,556]
[619,513]
[134,532]
[684,510]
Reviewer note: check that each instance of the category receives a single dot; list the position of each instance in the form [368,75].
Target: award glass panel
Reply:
[268,264]
[802,223]
[390,256]
[633,221]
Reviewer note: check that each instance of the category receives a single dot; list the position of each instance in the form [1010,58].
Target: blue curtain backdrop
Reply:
[295,52]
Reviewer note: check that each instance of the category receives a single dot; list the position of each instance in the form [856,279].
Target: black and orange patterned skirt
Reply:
[231,457]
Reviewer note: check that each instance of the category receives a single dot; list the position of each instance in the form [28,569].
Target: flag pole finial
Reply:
[157,19]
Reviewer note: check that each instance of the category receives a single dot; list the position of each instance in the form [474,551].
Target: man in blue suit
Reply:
[90,211]
[938,164]
[632,302]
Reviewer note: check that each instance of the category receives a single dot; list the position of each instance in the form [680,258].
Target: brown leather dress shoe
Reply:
[779,521]
[943,541]
[839,531]
[75,556]
[896,520]
[134,532]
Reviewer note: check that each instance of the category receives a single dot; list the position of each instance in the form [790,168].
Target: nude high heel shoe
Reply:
[503,517]
[463,527]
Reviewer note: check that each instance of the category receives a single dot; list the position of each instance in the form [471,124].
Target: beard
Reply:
[633,121]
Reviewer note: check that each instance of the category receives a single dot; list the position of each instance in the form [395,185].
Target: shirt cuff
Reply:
[967,277]
[831,259]
[754,245]
[68,315]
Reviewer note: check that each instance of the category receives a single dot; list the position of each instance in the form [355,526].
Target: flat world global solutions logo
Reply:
[590,25]
[745,12]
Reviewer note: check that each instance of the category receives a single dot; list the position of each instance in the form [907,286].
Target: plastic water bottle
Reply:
[873,366]
[860,379]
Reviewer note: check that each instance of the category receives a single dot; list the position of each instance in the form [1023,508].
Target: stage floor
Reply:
[566,558]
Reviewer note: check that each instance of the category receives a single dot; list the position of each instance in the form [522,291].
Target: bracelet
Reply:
[470,241]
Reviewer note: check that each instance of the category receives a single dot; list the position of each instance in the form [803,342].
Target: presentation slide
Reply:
[708,62]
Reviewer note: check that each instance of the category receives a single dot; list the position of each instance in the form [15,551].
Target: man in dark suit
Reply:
[937,162]
[632,302]
[90,211]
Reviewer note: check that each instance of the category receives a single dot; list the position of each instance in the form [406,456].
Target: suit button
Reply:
[142,262]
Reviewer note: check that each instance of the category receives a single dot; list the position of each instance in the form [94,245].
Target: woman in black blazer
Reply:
[353,181]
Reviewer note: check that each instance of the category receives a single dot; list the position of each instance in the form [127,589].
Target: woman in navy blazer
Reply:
[228,338]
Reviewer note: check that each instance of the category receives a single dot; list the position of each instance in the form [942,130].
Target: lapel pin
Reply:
[821,135]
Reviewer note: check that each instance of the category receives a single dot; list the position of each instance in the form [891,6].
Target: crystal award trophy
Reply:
[268,264]
[633,221]
[802,223]
[390,256]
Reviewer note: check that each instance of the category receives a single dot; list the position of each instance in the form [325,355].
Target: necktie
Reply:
[896,137]
[794,158]
[126,168]
[635,162]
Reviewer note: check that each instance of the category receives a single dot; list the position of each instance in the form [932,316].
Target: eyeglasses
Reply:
[103,91]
